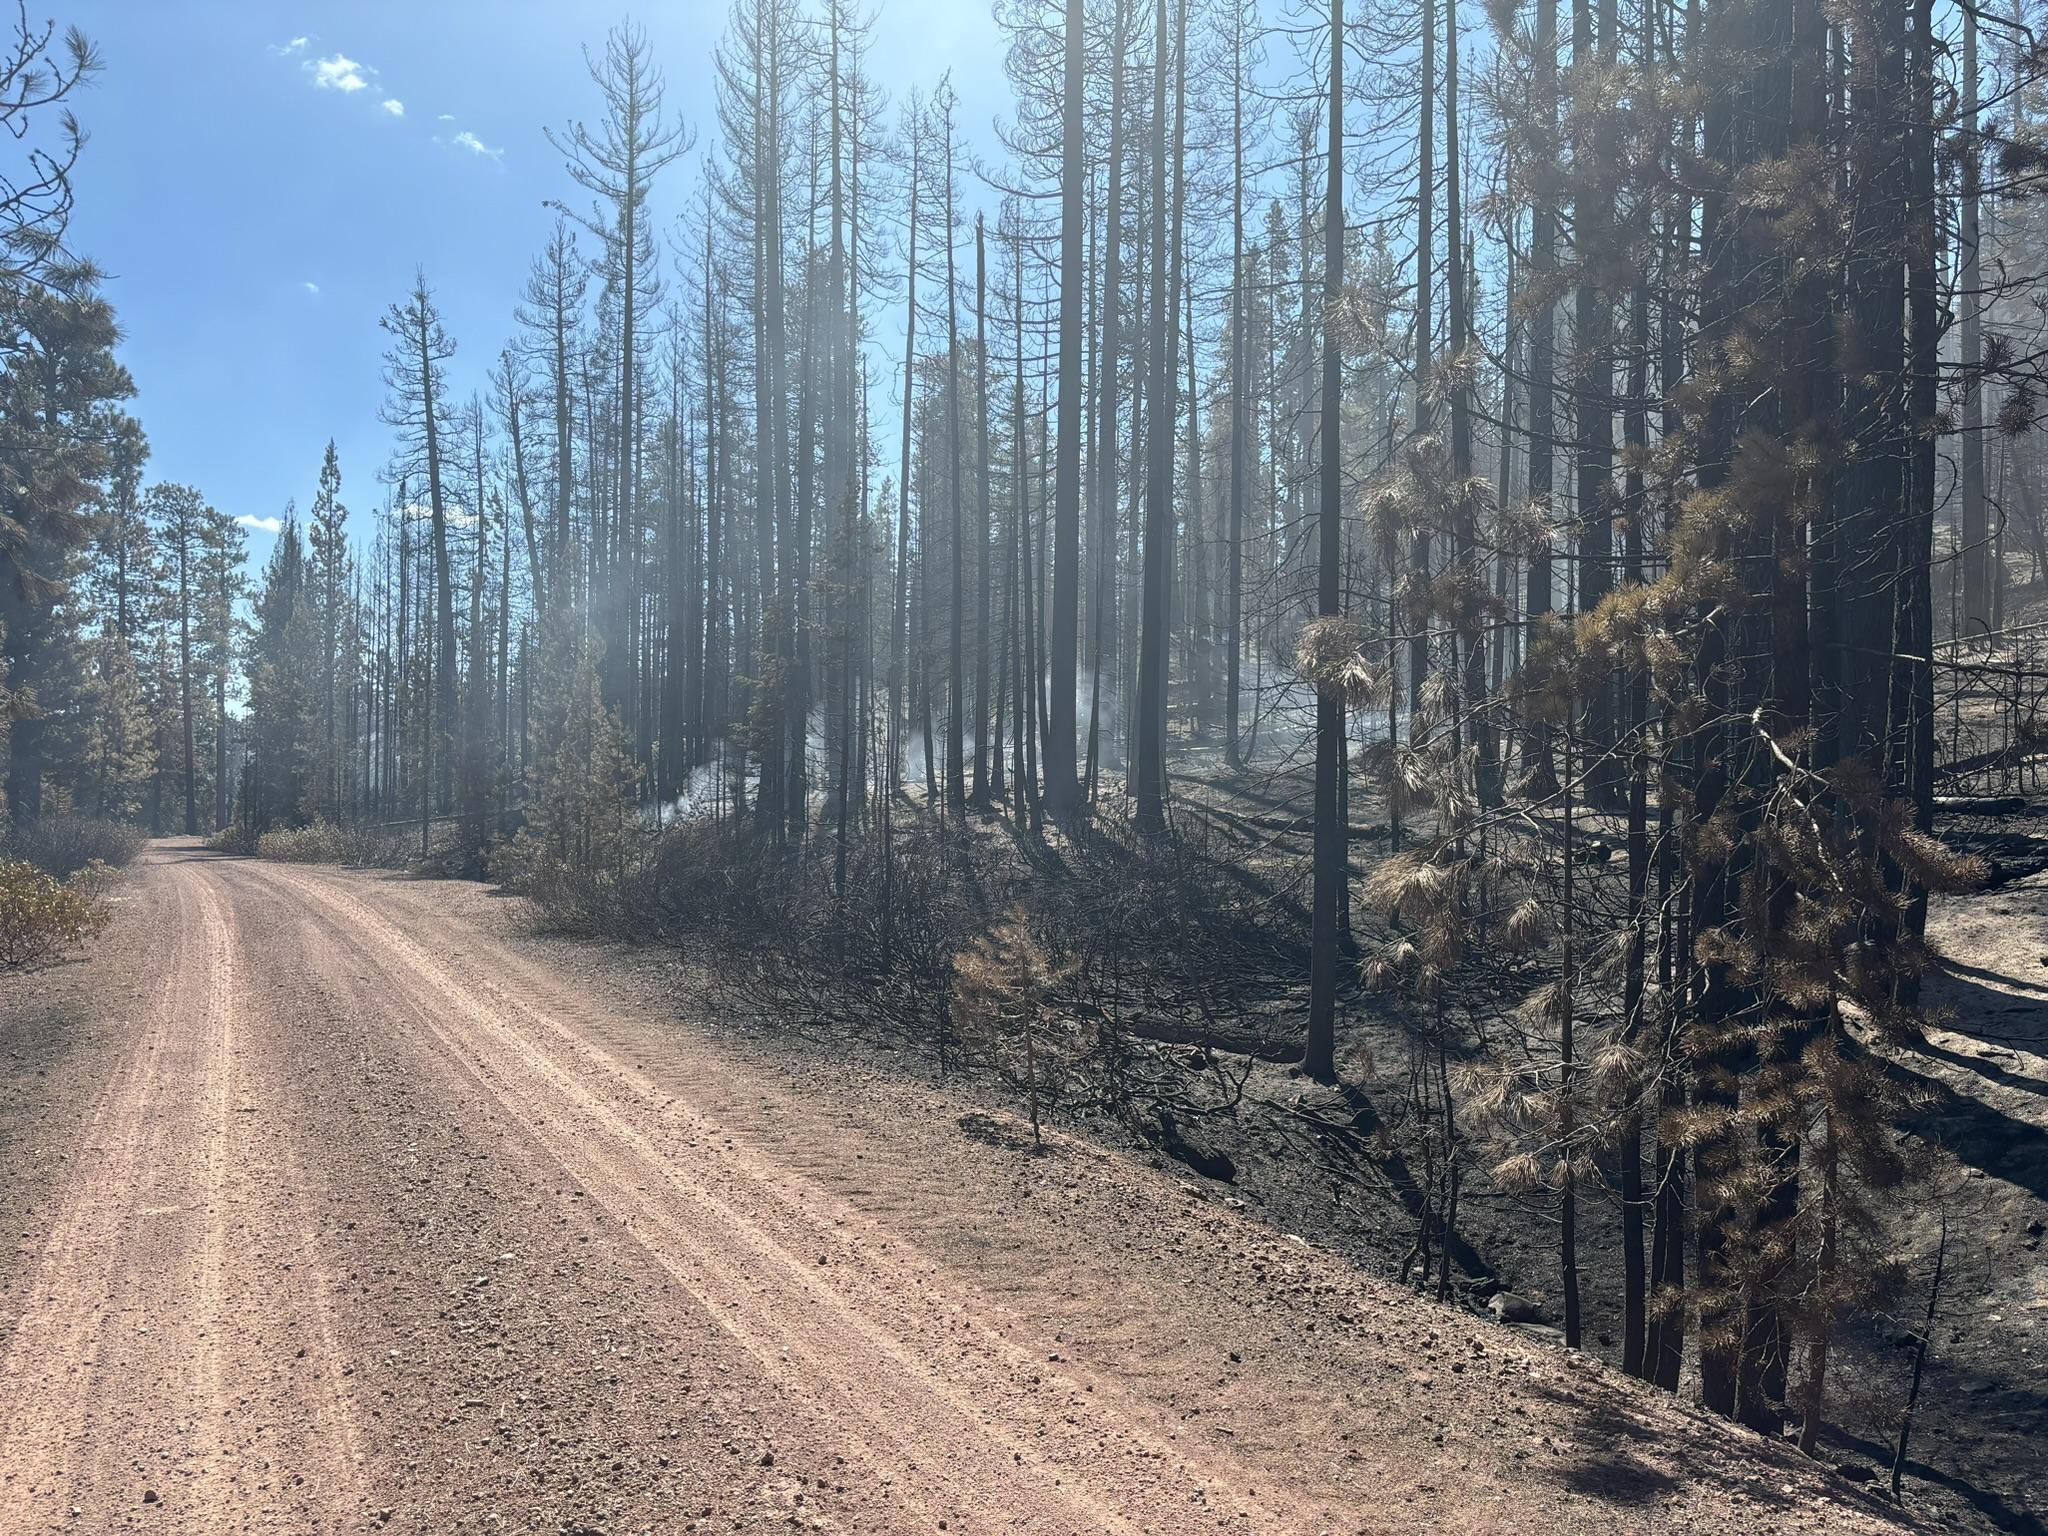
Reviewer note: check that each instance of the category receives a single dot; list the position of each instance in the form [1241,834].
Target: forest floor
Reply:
[341,1202]
[1976,1091]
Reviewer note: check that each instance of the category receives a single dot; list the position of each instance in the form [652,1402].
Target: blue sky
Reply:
[258,202]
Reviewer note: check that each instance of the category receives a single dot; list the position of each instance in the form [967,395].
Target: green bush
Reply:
[234,838]
[318,842]
[327,842]
[42,916]
[61,844]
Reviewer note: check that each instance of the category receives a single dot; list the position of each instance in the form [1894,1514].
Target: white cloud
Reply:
[446,117]
[394,106]
[338,72]
[311,287]
[453,513]
[296,45]
[476,146]
[262,524]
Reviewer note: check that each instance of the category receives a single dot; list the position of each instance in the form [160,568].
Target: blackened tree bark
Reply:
[1062,785]
[956,607]
[1538,775]
[982,637]
[1239,394]
[1973,526]
[1319,1056]
[1148,728]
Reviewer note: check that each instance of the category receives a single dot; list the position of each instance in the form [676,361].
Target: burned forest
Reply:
[1318,727]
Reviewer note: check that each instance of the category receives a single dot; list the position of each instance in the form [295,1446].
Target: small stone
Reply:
[149,1495]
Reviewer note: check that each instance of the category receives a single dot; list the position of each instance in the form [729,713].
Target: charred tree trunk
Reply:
[1330,874]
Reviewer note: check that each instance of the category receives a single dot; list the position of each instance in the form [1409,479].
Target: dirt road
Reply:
[343,1205]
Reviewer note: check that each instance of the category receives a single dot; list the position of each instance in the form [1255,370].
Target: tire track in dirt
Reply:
[914,1373]
[49,1376]
[148,1370]
[521,1366]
